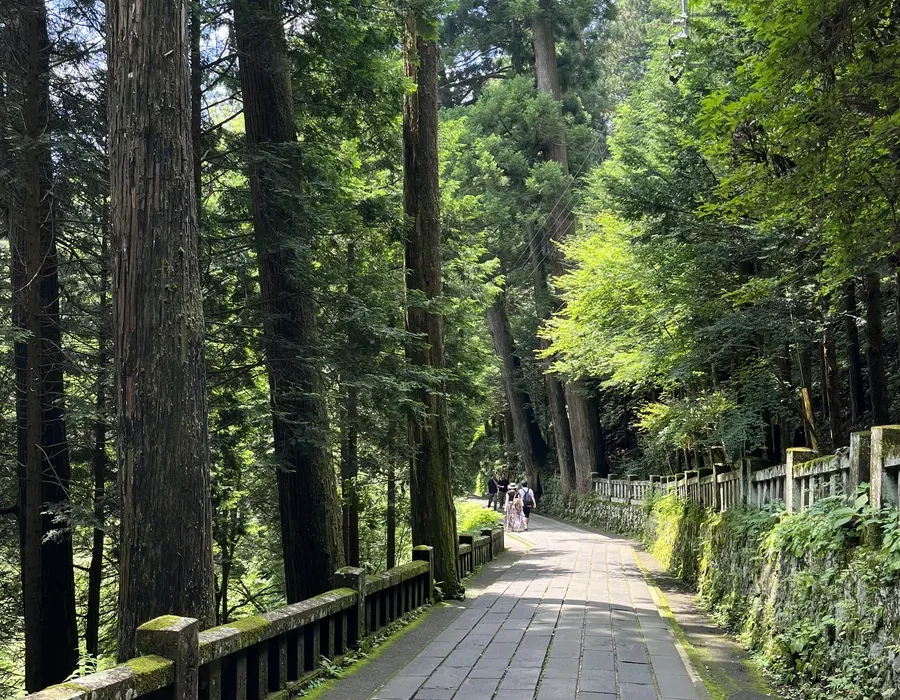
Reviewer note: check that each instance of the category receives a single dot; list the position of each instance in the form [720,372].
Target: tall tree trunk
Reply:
[307,487]
[95,572]
[509,438]
[532,449]
[833,386]
[51,637]
[556,395]
[197,103]
[854,355]
[806,402]
[585,447]
[875,351]
[349,475]
[166,564]
[587,438]
[431,499]
[391,518]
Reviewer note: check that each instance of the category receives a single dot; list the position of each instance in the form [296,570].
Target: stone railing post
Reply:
[746,482]
[354,579]
[717,496]
[609,486]
[689,488]
[177,639]
[425,553]
[655,480]
[792,492]
[860,460]
[629,489]
[885,458]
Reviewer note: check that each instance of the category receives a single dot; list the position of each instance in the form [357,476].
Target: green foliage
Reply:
[472,516]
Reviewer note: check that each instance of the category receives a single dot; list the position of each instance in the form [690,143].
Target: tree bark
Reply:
[391,518]
[99,460]
[197,103]
[556,396]
[532,449]
[349,476]
[509,439]
[587,438]
[809,419]
[839,438]
[875,351]
[585,448]
[854,355]
[166,564]
[307,487]
[431,499]
[51,637]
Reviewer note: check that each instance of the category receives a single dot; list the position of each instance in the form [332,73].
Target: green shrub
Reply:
[472,516]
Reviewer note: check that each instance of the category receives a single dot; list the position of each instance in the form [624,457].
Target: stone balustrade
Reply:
[266,656]
[873,457]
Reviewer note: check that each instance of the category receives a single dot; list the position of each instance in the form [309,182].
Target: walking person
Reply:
[515,518]
[493,495]
[502,488]
[526,497]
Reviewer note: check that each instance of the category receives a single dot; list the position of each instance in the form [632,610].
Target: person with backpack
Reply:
[526,495]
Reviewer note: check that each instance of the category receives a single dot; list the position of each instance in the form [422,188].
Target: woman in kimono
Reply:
[515,515]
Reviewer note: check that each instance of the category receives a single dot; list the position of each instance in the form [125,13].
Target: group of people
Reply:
[516,499]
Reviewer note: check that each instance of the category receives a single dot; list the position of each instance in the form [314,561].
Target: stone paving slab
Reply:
[573,619]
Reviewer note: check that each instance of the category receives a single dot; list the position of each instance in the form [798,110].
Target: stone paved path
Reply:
[572,620]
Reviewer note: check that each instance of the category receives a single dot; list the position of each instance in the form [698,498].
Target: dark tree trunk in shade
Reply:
[166,564]
[875,351]
[431,499]
[556,396]
[806,397]
[532,448]
[99,461]
[391,524]
[896,260]
[587,438]
[784,434]
[307,487]
[48,585]
[854,355]
[349,475]
[839,437]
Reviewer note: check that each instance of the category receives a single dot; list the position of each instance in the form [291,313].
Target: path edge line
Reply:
[690,657]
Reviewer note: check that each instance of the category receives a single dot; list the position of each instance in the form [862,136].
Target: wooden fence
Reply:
[267,656]
[873,457]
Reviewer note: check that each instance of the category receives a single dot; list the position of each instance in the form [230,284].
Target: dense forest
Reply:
[281,280]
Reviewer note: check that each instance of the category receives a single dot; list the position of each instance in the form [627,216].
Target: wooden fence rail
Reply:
[873,457]
[266,656]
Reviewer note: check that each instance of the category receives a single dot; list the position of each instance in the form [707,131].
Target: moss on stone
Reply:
[160,623]
[251,628]
[151,672]
[73,685]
